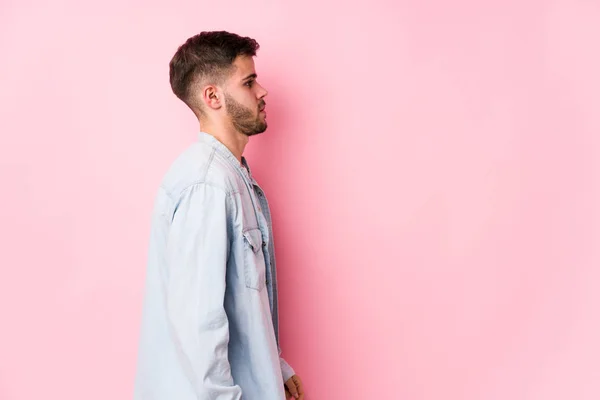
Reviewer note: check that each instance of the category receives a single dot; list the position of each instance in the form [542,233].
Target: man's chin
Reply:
[258,130]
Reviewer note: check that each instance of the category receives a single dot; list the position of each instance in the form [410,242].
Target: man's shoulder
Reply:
[200,164]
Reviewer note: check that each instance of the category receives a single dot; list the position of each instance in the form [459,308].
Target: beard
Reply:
[243,119]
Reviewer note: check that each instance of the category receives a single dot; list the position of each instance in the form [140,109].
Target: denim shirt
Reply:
[210,318]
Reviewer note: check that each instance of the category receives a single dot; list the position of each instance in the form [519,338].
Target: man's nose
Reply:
[264,92]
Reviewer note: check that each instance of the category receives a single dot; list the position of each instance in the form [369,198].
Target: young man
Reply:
[210,318]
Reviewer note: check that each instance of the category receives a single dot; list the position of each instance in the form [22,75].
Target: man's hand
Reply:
[294,389]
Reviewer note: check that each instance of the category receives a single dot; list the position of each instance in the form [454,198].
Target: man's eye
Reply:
[249,83]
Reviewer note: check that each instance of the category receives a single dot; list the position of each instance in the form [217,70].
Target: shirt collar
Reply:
[225,152]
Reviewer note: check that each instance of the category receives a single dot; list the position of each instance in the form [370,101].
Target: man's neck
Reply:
[233,140]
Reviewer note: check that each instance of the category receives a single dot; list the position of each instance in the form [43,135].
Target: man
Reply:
[210,317]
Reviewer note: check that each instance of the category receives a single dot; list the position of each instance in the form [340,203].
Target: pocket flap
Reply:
[254,239]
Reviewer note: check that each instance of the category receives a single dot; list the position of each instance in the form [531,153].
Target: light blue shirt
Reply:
[210,318]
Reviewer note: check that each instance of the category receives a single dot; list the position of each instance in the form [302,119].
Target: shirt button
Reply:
[264,244]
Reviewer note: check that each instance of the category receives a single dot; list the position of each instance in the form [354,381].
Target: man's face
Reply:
[244,98]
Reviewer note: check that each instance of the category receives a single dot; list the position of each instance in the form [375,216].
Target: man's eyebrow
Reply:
[251,76]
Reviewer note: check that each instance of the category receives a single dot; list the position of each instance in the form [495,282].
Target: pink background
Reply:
[433,169]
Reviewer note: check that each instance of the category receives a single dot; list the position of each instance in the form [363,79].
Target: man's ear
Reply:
[212,97]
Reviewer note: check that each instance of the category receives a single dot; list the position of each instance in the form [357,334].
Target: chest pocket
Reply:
[254,260]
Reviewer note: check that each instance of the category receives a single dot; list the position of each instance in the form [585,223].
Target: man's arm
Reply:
[197,251]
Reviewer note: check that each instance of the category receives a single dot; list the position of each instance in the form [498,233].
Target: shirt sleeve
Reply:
[286,370]
[197,250]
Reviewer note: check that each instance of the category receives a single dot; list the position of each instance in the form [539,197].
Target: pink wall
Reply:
[433,166]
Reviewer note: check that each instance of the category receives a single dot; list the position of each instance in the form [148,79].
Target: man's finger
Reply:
[299,384]
[291,385]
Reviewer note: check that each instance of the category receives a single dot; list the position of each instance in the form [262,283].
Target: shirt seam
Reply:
[201,181]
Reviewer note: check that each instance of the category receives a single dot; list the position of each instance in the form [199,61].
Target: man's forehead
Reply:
[243,66]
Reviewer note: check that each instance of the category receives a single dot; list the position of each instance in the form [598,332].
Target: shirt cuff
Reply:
[286,370]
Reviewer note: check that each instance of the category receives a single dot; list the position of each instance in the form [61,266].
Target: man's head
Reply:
[214,74]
